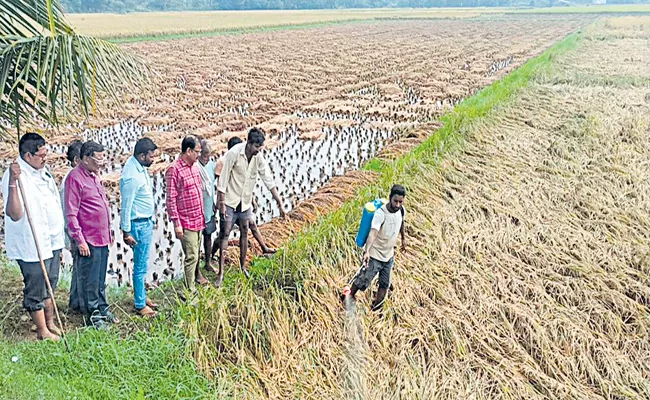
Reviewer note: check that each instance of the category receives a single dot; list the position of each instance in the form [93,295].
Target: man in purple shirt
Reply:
[88,216]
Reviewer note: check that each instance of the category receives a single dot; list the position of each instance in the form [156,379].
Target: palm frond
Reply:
[48,73]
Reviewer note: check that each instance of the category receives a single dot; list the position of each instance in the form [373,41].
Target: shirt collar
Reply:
[182,162]
[137,164]
[242,151]
[86,172]
[42,173]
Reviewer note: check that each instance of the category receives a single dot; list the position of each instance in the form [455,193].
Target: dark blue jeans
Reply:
[91,280]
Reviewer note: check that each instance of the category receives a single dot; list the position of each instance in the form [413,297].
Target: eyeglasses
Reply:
[41,156]
[98,161]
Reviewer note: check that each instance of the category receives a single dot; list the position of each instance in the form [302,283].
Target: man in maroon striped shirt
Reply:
[88,215]
[185,206]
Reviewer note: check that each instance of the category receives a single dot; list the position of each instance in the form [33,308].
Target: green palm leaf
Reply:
[48,73]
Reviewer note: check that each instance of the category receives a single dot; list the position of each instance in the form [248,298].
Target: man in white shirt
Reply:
[241,168]
[379,252]
[42,196]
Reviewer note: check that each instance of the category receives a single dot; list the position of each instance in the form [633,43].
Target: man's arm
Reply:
[265,173]
[224,178]
[128,189]
[13,207]
[172,208]
[221,204]
[401,231]
[369,243]
[73,197]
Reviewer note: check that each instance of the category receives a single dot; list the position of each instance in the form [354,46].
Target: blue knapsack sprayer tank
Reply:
[366,220]
[364,228]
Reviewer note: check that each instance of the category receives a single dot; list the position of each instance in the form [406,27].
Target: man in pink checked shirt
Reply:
[88,216]
[185,205]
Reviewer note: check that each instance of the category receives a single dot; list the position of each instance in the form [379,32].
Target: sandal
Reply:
[146,312]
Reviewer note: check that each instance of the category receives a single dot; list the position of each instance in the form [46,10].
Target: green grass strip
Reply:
[102,365]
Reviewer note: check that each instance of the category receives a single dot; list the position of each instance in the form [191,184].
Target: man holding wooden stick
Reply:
[43,200]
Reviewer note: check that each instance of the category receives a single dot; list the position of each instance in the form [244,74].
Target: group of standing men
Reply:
[78,217]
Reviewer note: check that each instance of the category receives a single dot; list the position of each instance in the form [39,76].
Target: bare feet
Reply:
[54,330]
[151,304]
[269,251]
[202,281]
[47,335]
[147,312]
[219,280]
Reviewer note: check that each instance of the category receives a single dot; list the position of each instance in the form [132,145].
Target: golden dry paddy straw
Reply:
[160,23]
[527,276]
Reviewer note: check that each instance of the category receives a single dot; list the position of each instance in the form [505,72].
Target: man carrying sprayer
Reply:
[43,200]
[136,218]
[379,252]
[242,165]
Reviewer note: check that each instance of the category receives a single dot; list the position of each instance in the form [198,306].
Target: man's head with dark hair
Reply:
[32,150]
[255,141]
[234,141]
[190,149]
[397,194]
[93,156]
[144,152]
[189,143]
[74,152]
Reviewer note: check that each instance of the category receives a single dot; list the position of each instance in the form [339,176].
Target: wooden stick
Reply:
[40,258]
